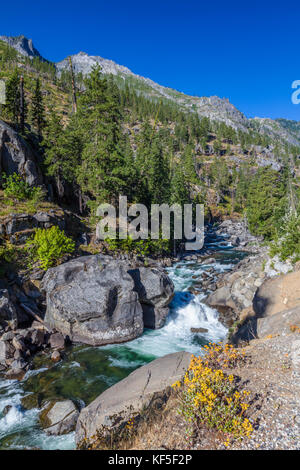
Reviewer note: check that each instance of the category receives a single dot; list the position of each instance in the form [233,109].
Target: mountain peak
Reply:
[23,45]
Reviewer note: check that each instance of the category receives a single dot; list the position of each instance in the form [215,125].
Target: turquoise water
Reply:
[86,371]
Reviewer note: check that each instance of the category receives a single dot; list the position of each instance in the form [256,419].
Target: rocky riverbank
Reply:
[232,293]
[42,316]
[93,300]
[270,371]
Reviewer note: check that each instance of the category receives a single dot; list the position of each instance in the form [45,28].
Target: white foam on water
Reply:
[124,363]
[16,419]
[187,311]
[23,424]
[31,373]
[71,364]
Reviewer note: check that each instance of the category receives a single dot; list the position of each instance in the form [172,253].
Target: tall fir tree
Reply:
[158,174]
[37,108]
[103,172]
[53,160]
[13,97]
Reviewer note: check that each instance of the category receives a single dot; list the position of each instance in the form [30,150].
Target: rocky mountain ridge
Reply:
[213,107]
[23,45]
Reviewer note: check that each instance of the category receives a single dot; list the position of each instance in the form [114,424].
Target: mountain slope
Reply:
[282,129]
[213,107]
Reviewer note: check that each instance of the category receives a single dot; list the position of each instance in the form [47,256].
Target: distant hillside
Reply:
[215,108]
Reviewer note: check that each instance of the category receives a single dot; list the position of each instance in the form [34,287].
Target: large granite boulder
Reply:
[92,300]
[130,397]
[277,294]
[17,157]
[155,290]
[221,298]
[99,300]
[276,309]
[224,302]
[281,323]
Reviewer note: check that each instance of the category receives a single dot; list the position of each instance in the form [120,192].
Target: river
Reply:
[87,371]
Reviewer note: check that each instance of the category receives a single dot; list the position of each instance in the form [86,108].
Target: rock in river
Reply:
[129,397]
[59,417]
[98,300]
[155,291]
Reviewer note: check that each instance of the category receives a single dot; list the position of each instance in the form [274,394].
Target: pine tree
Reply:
[179,192]
[158,174]
[103,173]
[266,203]
[37,108]
[13,97]
[53,150]
[189,165]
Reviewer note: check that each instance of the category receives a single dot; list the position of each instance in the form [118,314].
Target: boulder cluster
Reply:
[99,300]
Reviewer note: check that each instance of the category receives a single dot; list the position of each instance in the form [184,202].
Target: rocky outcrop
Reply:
[281,323]
[278,294]
[237,232]
[17,157]
[97,300]
[8,312]
[236,289]
[23,45]
[129,397]
[59,417]
[19,227]
[19,345]
[155,292]
[223,301]
[276,309]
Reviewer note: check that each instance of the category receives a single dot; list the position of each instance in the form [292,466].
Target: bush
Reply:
[7,253]
[15,187]
[209,397]
[139,247]
[49,245]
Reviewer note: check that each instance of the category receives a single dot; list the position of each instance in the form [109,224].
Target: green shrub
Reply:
[15,187]
[140,247]
[7,253]
[49,245]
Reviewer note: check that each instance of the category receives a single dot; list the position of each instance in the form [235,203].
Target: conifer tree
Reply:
[13,97]
[179,192]
[103,172]
[37,108]
[158,176]
[53,149]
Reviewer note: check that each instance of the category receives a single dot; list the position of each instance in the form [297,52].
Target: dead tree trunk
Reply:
[74,99]
[22,105]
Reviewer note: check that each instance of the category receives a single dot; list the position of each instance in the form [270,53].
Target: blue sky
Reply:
[248,52]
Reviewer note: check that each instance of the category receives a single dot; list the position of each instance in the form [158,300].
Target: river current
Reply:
[87,371]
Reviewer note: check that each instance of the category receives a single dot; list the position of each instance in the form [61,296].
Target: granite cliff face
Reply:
[17,157]
[23,45]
